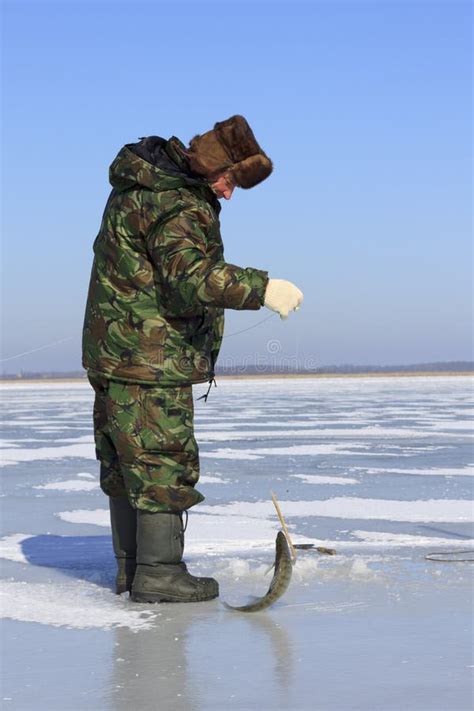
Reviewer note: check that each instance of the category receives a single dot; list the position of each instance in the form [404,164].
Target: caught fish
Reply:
[280,581]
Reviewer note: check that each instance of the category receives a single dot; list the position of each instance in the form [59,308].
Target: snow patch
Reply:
[15,456]
[360,569]
[452,471]
[227,453]
[317,479]
[208,479]
[78,605]
[83,439]
[11,548]
[97,517]
[396,540]
[300,450]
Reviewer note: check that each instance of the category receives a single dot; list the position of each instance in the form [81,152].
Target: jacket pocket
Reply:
[168,419]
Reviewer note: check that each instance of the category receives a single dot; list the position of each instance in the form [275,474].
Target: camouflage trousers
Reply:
[144,438]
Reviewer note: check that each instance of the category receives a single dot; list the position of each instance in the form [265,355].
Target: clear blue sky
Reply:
[364,108]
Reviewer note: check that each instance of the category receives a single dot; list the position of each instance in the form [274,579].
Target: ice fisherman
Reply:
[153,327]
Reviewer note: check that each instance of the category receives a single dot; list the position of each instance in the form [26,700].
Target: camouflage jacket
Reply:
[159,282]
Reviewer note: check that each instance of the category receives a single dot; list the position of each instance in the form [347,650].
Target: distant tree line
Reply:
[348,368]
[460,366]
[43,375]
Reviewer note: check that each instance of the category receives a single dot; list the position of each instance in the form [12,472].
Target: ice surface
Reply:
[350,448]
[427,510]
[289,433]
[375,626]
[69,485]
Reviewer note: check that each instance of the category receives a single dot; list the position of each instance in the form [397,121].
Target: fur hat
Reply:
[230,147]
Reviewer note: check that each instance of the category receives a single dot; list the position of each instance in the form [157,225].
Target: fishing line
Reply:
[35,350]
[236,333]
[70,338]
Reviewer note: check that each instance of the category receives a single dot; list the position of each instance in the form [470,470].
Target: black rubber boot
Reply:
[161,574]
[123,519]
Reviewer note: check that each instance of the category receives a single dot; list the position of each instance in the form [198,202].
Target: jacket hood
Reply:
[157,164]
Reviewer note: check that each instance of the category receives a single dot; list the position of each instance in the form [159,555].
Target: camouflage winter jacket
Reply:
[159,282]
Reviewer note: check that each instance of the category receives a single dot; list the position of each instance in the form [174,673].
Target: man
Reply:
[153,327]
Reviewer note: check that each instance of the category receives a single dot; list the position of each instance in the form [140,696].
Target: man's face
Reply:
[224,186]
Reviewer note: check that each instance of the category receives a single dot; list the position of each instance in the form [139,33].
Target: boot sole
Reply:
[157,597]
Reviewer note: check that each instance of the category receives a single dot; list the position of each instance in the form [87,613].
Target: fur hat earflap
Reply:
[230,146]
[251,171]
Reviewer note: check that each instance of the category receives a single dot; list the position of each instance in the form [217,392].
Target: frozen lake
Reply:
[381,469]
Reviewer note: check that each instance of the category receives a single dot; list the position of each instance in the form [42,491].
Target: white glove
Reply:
[282,296]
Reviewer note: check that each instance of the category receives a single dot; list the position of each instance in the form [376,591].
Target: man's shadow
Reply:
[88,558]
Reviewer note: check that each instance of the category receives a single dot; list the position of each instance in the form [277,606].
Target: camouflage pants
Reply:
[145,442]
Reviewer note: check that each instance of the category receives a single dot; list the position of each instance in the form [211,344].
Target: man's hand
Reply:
[282,296]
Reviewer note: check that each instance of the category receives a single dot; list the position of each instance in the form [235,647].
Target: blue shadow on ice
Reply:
[84,557]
